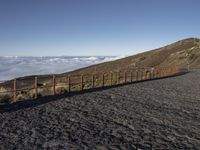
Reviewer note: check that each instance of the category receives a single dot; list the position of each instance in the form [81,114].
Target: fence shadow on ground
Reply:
[6,107]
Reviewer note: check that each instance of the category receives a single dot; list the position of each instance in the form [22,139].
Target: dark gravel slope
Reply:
[165,113]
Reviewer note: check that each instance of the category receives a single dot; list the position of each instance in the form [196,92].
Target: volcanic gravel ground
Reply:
[164,113]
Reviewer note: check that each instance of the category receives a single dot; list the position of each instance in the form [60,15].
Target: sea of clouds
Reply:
[15,66]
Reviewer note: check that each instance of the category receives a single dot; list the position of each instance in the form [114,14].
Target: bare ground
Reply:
[164,113]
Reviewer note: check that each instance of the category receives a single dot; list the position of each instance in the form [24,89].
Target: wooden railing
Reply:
[36,86]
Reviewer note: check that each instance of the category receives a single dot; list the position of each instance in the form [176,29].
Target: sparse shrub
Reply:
[61,90]
[20,97]
[24,92]
[197,40]
[142,58]
[192,57]
[6,98]
[181,57]
[38,95]
[24,95]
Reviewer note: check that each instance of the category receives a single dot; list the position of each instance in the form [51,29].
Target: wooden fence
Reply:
[19,89]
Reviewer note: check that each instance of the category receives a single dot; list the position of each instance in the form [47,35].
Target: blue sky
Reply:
[94,27]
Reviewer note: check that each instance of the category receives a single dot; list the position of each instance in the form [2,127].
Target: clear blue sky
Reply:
[94,27]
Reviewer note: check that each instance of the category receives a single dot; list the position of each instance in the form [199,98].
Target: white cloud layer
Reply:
[13,66]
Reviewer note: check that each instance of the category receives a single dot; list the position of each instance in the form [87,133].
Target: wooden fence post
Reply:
[36,87]
[160,73]
[102,79]
[54,84]
[152,74]
[14,90]
[93,81]
[111,78]
[69,84]
[139,75]
[81,82]
[136,75]
[125,77]
[118,77]
[131,76]
[146,75]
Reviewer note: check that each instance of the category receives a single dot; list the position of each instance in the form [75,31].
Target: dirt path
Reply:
[165,113]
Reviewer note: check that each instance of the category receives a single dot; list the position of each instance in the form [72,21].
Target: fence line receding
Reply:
[37,86]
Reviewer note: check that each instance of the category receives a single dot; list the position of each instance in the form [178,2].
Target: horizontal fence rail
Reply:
[37,86]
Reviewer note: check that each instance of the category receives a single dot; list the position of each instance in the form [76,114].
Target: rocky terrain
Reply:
[164,113]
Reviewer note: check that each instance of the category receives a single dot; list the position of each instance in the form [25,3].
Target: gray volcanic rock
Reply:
[164,113]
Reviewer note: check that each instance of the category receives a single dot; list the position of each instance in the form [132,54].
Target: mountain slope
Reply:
[179,53]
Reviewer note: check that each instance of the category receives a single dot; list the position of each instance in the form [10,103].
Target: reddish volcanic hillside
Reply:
[179,53]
